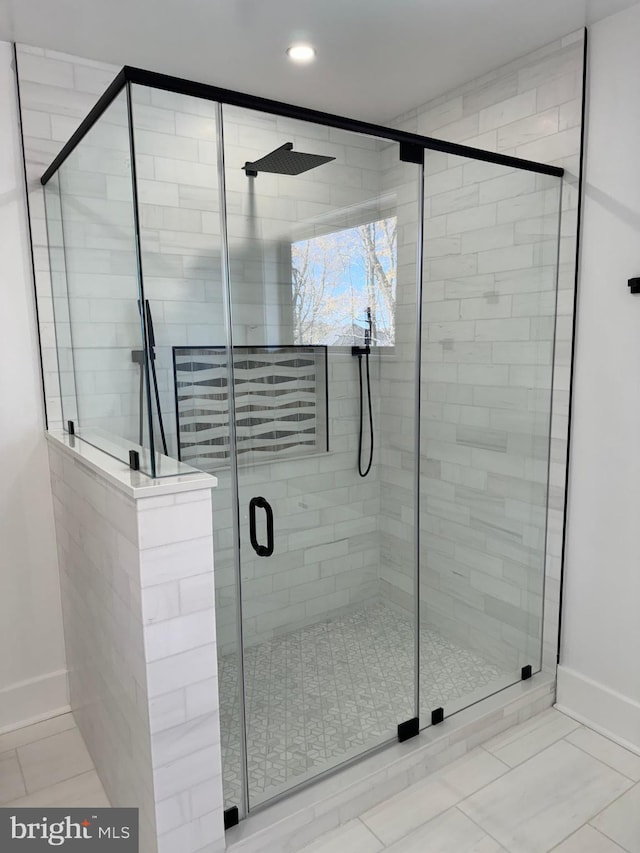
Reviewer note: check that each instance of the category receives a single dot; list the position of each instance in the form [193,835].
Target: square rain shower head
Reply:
[285,161]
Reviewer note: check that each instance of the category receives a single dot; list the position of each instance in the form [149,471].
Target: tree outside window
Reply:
[337,276]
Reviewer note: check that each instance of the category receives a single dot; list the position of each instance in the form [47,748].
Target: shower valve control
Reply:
[634,285]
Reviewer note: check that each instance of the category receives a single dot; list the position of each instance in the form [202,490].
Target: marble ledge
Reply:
[117,473]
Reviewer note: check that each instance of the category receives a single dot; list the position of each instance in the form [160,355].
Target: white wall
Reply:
[600,672]
[33,679]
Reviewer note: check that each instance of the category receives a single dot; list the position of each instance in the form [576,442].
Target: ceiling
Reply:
[376,58]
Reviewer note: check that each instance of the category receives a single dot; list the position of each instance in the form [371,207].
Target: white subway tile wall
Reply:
[141,654]
[56,92]
[97,551]
[181,261]
[490,554]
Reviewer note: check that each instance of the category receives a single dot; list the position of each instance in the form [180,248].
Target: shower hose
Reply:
[139,358]
[361,469]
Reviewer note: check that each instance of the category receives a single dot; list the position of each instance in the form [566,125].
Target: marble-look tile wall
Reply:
[56,92]
[139,621]
[489,341]
[326,547]
[178,193]
[92,255]
[96,532]
[179,619]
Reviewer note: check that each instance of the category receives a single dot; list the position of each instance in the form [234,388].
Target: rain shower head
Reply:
[285,161]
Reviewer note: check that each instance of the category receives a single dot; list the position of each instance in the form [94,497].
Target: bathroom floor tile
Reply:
[81,791]
[621,821]
[528,739]
[54,759]
[607,751]
[542,801]
[588,840]
[398,816]
[473,771]
[11,781]
[451,832]
[353,837]
[29,734]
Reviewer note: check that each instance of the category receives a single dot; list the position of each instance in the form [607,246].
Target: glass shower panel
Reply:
[62,319]
[97,314]
[176,150]
[489,304]
[322,227]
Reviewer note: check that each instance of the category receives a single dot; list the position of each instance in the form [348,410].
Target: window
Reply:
[337,276]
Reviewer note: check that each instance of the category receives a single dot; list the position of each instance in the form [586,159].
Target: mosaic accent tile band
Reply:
[325,693]
[281,403]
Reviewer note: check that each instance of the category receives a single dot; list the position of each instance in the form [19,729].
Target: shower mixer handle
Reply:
[254,504]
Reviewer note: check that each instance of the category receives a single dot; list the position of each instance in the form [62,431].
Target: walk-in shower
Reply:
[357,301]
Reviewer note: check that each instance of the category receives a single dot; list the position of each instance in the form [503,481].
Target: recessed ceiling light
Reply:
[301,52]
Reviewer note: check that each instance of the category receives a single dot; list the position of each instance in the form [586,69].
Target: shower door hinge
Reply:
[410,152]
[134,460]
[231,817]
[437,716]
[526,672]
[71,428]
[408,729]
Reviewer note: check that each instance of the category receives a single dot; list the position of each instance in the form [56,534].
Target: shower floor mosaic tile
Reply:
[322,694]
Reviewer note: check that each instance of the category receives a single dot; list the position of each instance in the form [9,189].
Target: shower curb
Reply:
[289,825]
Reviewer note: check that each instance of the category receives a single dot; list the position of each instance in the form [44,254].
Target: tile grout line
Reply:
[608,837]
[579,829]
[567,837]
[368,828]
[61,781]
[54,785]
[488,752]
[604,808]
[601,760]
[45,737]
[22,776]
[74,776]
[475,822]
[529,757]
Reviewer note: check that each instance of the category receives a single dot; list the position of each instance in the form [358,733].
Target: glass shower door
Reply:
[322,224]
[489,306]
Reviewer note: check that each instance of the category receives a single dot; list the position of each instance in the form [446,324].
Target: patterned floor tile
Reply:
[321,694]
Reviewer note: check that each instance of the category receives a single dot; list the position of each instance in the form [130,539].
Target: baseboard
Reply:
[602,709]
[34,700]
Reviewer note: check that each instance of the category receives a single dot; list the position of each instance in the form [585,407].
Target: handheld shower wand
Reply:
[359,352]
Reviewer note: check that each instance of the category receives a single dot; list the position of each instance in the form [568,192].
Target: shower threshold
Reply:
[303,815]
[321,695]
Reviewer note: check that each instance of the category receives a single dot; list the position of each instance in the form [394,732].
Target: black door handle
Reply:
[261,503]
